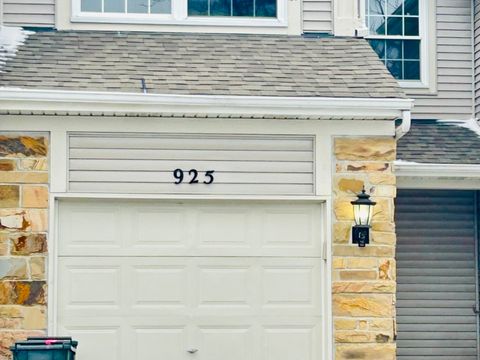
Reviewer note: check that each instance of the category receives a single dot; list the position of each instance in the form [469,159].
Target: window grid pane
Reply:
[388,21]
[250,8]
[127,6]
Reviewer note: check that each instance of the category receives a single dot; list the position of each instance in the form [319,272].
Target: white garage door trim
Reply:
[326,341]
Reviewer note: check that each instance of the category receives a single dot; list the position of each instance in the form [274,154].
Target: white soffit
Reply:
[457,171]
[15,99]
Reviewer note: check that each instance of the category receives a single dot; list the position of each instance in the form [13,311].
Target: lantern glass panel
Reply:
[363,214]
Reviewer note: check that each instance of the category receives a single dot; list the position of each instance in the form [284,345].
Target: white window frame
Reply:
[427,46]
[179,16]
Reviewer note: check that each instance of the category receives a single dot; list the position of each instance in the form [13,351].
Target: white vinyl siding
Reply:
[453,99]
[117,163]
[317,16]
[477,57]
[35,13]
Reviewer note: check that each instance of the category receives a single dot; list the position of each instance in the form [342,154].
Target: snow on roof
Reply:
[471,124]
[10,39]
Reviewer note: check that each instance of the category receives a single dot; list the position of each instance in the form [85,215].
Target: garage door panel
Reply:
[168,228]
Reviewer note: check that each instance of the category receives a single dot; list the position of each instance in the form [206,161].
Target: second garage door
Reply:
[190,280]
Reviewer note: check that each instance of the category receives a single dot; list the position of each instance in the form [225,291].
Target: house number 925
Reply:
[192,174]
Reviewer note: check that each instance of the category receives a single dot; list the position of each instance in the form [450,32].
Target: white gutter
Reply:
[407,169]
[15,99]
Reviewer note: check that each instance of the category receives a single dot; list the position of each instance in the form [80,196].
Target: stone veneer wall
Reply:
[23,237]
[364,278]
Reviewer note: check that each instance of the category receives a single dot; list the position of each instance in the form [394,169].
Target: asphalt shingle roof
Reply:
[212,64]
[441,142]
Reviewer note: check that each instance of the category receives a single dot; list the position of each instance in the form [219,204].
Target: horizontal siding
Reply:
[436,277]
[454,65]
[35,13]
[317,16]
[144,163]
[477,57]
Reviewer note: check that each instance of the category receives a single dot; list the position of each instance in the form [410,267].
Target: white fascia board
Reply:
[15,99]
[406,169]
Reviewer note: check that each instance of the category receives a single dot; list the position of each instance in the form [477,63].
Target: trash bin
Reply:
[45,348]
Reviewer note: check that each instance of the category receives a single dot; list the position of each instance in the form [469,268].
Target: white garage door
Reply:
[224,280]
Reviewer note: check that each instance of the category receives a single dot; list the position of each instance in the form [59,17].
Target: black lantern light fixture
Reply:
[363,212]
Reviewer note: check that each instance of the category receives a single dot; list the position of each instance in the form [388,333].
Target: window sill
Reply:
[169,20]
[417,87]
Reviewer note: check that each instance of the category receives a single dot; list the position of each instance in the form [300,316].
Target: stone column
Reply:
[364,278]
[23,237]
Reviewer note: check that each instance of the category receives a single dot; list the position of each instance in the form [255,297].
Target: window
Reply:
[251,8]
[183,12]
[127,6]
[396,33]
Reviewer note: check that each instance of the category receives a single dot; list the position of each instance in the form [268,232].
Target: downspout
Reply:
[404,127]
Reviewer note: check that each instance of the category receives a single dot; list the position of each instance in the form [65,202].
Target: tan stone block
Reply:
[338,263]
[382,179]
[7,165]
[343,209]
[9,196]
[370,287]
[383,210]
[34,164]
[37,219]
[382,238]
[378,148]
[383,226]
[381,324]
[345,324]
[358,275]
[361,305]
[365,352]
[35,196]
[363,324]
[34,318]
[13,219]
[27,244]
[367,166]
[26,177]
[362,263]
[10,311]
[349,185]
[368,251]
[13,268]
[6,323]
[23,293]
[342,232]
[4,245]
[384,270]
[384,191]
[37,268]
[353,337]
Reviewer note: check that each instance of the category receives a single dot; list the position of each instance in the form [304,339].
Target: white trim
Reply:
[179,16]
[58,100]
[405,169]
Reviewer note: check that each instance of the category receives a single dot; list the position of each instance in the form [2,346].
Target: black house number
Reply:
[192,174]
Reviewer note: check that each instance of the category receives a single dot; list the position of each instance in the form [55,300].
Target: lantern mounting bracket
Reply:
[361,235]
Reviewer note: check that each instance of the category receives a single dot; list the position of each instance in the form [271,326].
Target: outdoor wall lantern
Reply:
[363,212]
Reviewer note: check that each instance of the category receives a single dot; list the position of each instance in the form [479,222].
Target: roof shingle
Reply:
[200,64]
[441,142]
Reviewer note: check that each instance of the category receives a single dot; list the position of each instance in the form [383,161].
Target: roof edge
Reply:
[19,99]
[413,169]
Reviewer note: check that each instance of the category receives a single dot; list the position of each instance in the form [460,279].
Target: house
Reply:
[177,176]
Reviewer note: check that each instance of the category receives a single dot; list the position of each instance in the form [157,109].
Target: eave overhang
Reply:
[24,100]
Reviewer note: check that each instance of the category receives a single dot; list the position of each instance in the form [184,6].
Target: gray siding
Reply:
[477,57]
[37,13]
[144,163]
[317,16]
[436,275]
[454,59]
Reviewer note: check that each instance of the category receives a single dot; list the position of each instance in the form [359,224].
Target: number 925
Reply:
[179,176]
